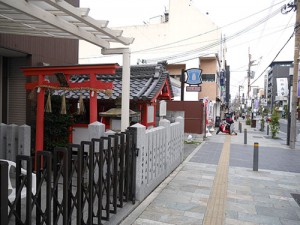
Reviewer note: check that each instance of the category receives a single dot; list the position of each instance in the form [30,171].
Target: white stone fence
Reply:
[160,152]
[160,149]
[14,140]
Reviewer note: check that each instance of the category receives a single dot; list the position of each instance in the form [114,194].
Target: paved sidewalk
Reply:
[217,185]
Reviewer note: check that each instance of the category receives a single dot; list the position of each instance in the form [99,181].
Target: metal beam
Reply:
[42,15]
[96,24]
[125,83]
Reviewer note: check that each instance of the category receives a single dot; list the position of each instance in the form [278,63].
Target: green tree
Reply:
[263,112]
[262,120]
[274,124]
[57,125]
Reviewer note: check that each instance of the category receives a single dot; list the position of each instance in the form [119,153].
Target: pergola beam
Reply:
[96,24]
[48,18]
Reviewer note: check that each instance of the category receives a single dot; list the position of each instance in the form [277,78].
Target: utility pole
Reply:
[295,78]
[240,87]
[249,73]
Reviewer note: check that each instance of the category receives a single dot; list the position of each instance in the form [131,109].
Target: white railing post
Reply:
[166,124]
[96,130]
[12,142]
[181,130]
[3,132]
[24,137]
[141,165]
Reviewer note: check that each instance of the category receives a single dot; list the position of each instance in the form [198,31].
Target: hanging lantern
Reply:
[63,108]
[80,105]
[48,107]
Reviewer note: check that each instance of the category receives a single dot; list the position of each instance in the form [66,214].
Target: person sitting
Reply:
[229,120]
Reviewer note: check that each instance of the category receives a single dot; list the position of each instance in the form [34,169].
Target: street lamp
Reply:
[291,73]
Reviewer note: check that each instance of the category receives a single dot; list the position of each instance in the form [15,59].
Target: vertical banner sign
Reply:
[299,87]
[282,87]
[194,79]
[222,78]
[207,110]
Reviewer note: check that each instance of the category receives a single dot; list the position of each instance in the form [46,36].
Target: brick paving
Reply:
[215,211]
[243,196]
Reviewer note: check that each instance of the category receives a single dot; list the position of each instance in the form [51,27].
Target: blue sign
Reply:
[194,76]
[222,78]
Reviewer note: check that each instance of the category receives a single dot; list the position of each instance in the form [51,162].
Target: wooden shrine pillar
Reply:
[39,144]
[93,100]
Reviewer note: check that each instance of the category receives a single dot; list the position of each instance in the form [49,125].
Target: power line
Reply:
[275,57]
[216,43]
[198,35]
[219,28]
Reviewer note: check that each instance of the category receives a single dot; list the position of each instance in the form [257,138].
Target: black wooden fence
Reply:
[81,184]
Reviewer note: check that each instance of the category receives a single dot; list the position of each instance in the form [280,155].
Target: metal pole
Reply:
[289,112]
[245,136]
[125,83]
[255,156]
[125,90]
[182,84]
[268,129]
[295,79]
[249,72]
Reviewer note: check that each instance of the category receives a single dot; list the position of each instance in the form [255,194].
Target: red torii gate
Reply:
[93,85]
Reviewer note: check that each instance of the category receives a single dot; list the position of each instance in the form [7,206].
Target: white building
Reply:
[181,35]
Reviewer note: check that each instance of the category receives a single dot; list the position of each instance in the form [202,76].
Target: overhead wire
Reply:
[275,56]
[230,47]
[279,37]
[182,40]
[216,43]
[261,34]
[219,28]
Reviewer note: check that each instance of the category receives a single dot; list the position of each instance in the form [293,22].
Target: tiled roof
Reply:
[145,82]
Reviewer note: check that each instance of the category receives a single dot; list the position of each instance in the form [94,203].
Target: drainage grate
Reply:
[296,197]
[257,136]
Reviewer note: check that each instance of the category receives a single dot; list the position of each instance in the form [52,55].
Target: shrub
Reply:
[57,126]
[274,124]
[263,113]
[248,121]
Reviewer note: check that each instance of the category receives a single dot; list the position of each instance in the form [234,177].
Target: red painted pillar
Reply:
[93,100]
[144,115]
[39,140]
[154,116]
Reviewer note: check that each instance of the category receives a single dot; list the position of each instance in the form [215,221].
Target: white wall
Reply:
[185,21]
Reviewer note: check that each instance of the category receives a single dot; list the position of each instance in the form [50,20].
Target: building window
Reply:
[208,77]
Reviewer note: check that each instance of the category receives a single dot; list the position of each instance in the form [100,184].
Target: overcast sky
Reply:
[264,41]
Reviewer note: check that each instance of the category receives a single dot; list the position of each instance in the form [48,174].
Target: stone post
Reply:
[3,132]
[168,161]
[181,121]
[12,142]
[24,143]
[96,130]
[141,165]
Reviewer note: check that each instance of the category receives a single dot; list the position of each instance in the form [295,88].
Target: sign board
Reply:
[162,108]
[194,76]
[193,88]
[150,114]
[282,87]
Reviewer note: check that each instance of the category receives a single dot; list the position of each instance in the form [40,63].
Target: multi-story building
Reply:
[183,37]
[18,51]
[277,84]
